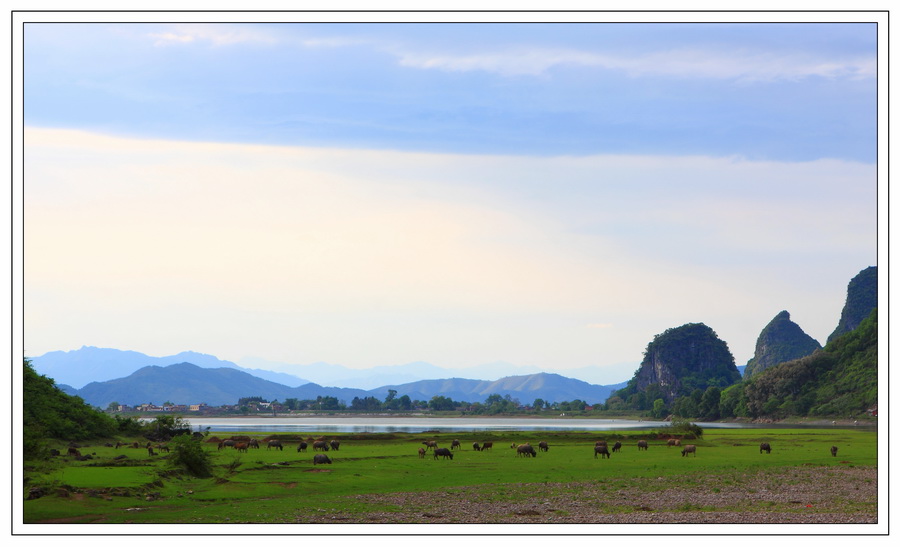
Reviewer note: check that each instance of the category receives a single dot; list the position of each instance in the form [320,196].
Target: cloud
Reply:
[743,65]
[372,257]
[215,34]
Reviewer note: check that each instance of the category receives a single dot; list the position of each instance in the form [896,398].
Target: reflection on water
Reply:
[443,425]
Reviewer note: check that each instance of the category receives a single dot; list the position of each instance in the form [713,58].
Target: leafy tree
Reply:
[439,402]
[50,413]
[189,456]
[708,408]
[659,409]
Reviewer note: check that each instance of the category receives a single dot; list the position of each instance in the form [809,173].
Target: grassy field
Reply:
[272,486]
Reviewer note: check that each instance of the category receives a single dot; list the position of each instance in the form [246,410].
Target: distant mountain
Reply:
[781,340]
[546,386]
[862,298]
[370,378]
[186,383]
[91,364]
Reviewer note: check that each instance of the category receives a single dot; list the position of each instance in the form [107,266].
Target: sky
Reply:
[369,194]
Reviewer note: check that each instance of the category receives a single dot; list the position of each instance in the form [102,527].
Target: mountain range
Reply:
[186,383]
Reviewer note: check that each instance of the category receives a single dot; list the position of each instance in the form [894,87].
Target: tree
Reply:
[538,404]
[189,456]
[49,413]
[659,409]
[439,402]
[113,406]
[708,408]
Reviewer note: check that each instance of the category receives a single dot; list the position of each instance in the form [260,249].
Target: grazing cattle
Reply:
[421,452]
[543,446]
[486,446]
[455,444]
[476,447]
[601,449]
[335,444]
[673,442]
[302,446]
[320,445]
[617,446]
[525,450]
[241,447]
[689,449]
[445,452]
[642,444]
[253,443]
[274,444]
[834,451]
[135,444]
[430,444]
[150,451]
[118,444]
[321,458]
[72,451]
[765,447]
[227,442]
[162,447]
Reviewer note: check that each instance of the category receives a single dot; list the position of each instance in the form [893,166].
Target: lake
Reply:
[406,424]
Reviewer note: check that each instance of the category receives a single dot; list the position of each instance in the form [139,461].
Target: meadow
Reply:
[381,478]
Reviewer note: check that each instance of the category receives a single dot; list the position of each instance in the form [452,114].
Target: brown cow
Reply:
[642,444]
[430,445]
[150,451]
[320,445]
[421,452]
[601,449]
[487,445]
[73,452]
[274,444]
[673,442]
[689,449]
[241,447]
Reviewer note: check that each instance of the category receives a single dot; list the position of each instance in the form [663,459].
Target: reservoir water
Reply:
[406,424]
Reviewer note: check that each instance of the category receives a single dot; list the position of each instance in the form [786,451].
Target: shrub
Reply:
[188,455]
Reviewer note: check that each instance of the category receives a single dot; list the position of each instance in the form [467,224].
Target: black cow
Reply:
[445,452]
[601,449]
[765,447]
[321,458]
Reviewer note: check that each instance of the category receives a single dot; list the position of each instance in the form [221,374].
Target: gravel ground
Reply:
[792,496]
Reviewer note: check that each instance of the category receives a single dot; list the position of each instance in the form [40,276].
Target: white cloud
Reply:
[366,257]
[215,34]
[689,63]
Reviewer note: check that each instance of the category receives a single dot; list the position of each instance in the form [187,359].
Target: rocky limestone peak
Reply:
[781,340]
[862,298]
[686,358]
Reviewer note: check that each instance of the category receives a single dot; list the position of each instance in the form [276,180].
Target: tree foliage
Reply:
[48,413]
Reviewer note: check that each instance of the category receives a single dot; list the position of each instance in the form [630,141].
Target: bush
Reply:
[188,455]
[683,428]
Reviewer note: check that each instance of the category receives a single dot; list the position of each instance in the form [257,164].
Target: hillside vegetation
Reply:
[840,380]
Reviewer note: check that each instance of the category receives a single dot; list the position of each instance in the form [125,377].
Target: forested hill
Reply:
[840,380]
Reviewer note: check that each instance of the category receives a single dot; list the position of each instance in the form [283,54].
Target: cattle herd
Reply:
[321,445]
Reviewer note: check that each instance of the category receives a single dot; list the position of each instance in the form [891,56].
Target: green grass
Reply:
[274,486]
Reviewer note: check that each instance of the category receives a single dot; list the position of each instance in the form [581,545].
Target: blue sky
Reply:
[550,195]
